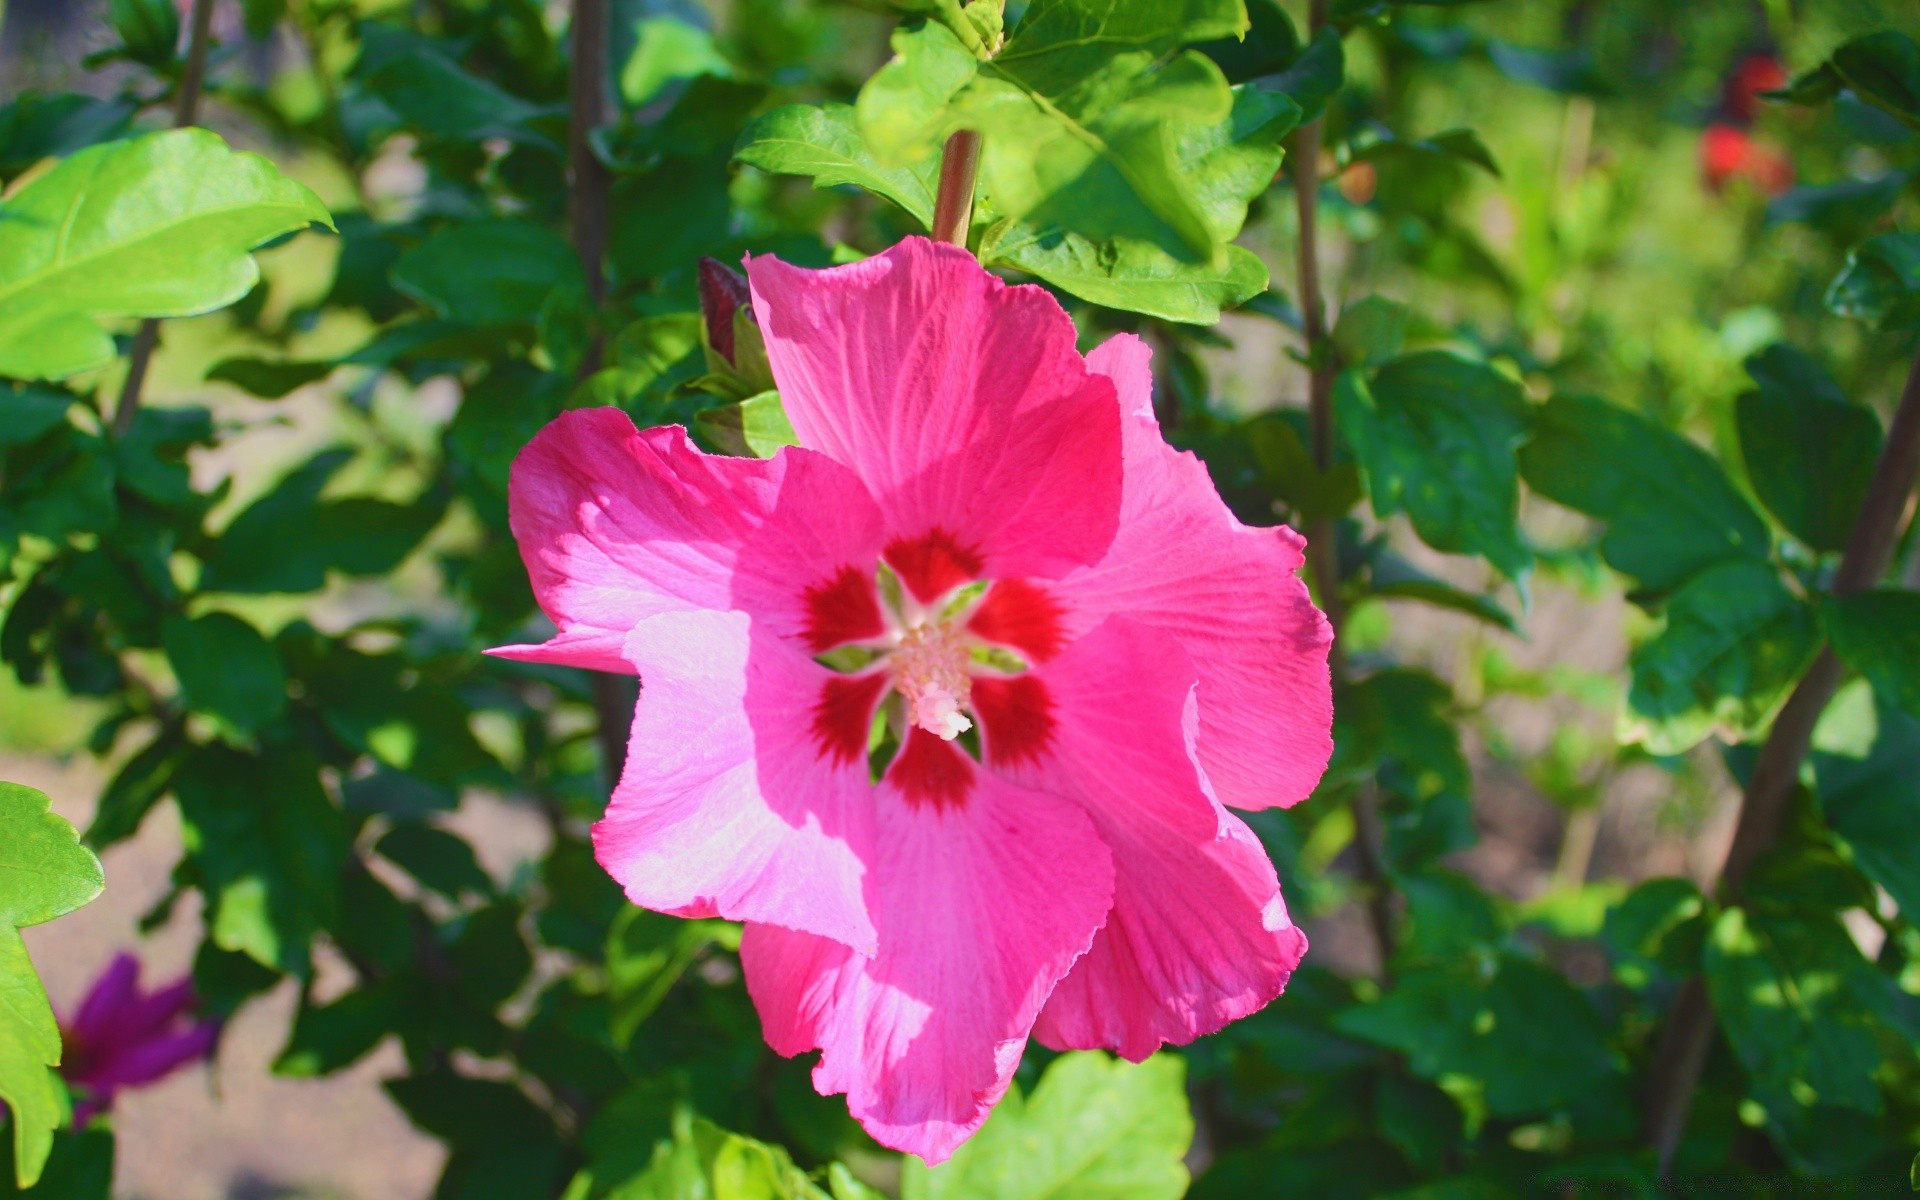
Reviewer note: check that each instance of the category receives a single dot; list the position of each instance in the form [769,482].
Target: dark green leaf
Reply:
[1270,45]
[333,1036]
[1522,1033]
[269,847]
[1435,435]
[136,788]
[489,272]
[1881,282]
[1669,510]
[1312,78]
[267,379]
[1809,453]
[227,670]
[1735,643]
[438,98]
[647,953]
[504,1146]
[1877,633]
[1567,71]
[1660,924]
[1870,801]
[1884,70]
[148,29]
[436,858]
[41,125]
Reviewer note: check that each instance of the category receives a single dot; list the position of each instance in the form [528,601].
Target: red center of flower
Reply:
[924,652]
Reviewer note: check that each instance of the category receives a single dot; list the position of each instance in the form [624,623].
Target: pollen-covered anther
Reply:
[930,671]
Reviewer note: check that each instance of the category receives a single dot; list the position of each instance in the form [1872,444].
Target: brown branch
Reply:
[588,216]
[1323,557]
[953,206]
[1688,1037]
[186,111]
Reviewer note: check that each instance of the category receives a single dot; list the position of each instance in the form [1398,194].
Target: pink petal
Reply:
[99,1011]
[1227,592]
[1198,936]
[150,1060]
[731,803]
[960,402]
[618,525]
[981,907]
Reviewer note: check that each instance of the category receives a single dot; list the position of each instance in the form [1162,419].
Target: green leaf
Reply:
[136,788]
[41,125]
[148,29]
[1371,331]
[1521,1033]
[825,143]
[267,379]
[1270,45]
[666,50]
[158,226]
[647,953]
[44,873]
[437,97]
[756,427]
[1082,114]
[268,847]
[1881,282]
[707,1161]
[1882,68]
[436,858]
[1669,510]
[1229,163]
[1435,435]
[1094,1127]
[1569,72]
[288,540]
[1800,1006]
[1461,144]
[503,1145]
[1735,643]
[1877,633]
[1313,76]
[496,271]
[1870,801]
[1660,924]
[1809,453]
[80,1168]
[227,671]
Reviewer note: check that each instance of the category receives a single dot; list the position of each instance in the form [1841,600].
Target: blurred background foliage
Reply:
[1615,328]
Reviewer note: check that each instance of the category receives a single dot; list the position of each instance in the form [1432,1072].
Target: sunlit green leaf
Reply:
[156,226]
[44,873]
[825,143]
[1094,1127]
[1877,633]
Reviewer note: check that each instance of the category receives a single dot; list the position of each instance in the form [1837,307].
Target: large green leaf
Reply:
[1735,643]
[497,271]
[1809,452]
[1877,633]
[1800,1006]
[1436,434]
[158,226]
[1882,68]
[1669,510]
[825,143]
[44,873]
[1230,163]
[1870,801]
[268,847]
[1521,1033]
[1095,1128]
[227,670]
[1082,113]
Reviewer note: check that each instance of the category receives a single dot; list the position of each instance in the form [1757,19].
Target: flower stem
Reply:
[953,206]
[186,111]
[1323,558]
[1688,1036]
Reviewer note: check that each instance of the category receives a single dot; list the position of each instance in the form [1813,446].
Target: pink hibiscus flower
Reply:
[944,703]
[121,1037]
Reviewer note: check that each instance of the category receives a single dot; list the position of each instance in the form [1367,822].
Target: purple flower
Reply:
[121,1037]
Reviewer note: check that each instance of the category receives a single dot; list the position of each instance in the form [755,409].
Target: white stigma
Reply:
[930,671]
